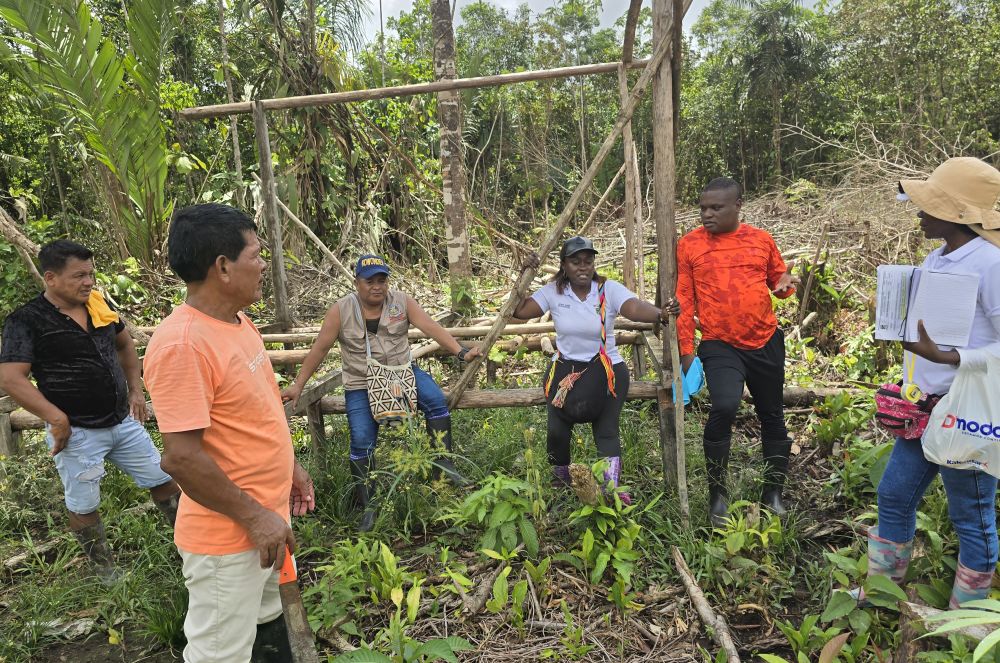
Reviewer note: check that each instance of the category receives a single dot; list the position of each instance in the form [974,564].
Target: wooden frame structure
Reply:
[661,73]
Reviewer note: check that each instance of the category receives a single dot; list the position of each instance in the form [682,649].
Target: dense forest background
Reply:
[773,93]
[817,108]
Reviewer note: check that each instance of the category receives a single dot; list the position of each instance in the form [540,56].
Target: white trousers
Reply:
[228,595]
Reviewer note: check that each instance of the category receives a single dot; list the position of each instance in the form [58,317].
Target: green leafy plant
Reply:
[341,587]
[984,612]
[533,476]
[748,554]
[609,538]
[840,417]
[857,476]
[112,97]
[808,638]
[359,574]
[502,508]
[402,648]
[501,586]
[572,639]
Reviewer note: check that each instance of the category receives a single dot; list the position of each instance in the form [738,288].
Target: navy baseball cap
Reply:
[576,244]
[369,265]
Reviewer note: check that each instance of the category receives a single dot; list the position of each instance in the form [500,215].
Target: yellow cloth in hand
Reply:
[100,313]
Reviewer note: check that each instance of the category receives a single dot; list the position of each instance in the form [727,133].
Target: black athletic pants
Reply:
[588,402]
[763,371]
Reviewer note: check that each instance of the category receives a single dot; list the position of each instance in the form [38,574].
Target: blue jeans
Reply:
[364,430]
[81,463]
[971,505]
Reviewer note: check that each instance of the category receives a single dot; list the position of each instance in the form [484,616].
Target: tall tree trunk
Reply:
[233,126]
[776,132]
[463,300]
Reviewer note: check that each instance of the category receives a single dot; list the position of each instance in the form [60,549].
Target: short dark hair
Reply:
[724,184]
[199,234]
[53,256]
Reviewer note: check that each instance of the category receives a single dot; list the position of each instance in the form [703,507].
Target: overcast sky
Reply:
[613,9]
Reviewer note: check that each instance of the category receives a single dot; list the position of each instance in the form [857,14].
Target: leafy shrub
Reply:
[502,508]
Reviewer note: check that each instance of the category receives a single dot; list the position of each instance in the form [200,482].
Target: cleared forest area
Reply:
[818,112]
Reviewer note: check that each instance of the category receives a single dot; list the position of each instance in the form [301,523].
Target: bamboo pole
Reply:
[269,194]
[671,401]
[600,203]
[549,243]
[314,100]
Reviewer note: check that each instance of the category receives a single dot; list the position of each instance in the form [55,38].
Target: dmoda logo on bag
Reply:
[986,429]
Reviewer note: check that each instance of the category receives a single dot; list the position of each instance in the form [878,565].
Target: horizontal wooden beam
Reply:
[292,357]
[314,100]
[480,399]
[308,334]
[493,398]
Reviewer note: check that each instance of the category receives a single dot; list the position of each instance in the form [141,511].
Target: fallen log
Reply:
[913,625]
[478,399]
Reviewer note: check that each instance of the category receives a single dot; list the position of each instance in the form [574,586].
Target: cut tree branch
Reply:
[714,623]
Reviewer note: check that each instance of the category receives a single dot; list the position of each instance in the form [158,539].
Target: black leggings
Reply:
[588,402]
[763,370]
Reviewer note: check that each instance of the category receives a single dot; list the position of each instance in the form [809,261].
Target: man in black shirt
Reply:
[89,392]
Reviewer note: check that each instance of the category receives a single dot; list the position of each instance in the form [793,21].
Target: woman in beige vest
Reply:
[377,317]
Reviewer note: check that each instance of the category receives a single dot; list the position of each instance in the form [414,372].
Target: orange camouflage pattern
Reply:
[726,281]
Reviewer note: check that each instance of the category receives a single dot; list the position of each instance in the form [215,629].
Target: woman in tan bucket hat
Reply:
[958,205]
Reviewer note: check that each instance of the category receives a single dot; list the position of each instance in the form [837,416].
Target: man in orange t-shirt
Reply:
[226,442]
[726,273]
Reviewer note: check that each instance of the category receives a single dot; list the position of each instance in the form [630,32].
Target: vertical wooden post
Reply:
[639,359]
[671,402]
[317,431]
[632,220]
[269,195]
[9,445]
[628,269]
[640,232]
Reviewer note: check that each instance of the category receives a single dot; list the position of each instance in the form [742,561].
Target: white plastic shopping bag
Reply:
[964,428]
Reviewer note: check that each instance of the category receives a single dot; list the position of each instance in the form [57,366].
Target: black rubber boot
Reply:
[716,466]
[168,508]
[364,491]
[775,471]
[271,643]
[439,431]
[95,544]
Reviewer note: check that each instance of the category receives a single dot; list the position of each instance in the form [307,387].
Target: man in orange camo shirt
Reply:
[726,274]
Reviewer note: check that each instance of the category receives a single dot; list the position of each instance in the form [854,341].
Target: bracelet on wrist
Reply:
[462,352]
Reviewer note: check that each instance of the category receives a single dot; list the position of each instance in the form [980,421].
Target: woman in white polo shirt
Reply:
[957,205]
[588,380]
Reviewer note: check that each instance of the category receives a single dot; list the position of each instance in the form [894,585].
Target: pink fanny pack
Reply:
[900,416]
